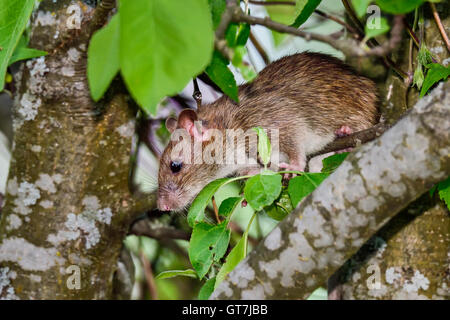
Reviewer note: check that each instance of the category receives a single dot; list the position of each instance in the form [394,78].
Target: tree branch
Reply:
[365,192]
[354,140]
[101,14]
[440,25]
[142,228]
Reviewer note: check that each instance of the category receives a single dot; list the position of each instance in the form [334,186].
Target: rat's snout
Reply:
[167,198]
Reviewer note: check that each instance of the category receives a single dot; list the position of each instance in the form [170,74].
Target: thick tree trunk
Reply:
[68,206]
[415,245]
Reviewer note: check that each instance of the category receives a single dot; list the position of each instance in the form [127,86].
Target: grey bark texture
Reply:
[375,182]
[68,206]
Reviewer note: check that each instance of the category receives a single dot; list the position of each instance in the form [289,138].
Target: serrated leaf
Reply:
[228,205]
[103,58]
[376,30]
[305,12]
[163,45]
[360,7]
[399,6]
[264,146]
[208,244]
[301,186]
[332,162]
[23,53]
[14,15]
[197,210]
[436,73]
[262,189]
[222,76]
[177,273]
[444,191]
[207,289]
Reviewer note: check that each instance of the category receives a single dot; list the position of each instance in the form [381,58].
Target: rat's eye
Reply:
[175,166]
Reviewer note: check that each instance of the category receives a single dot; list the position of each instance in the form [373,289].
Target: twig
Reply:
[440,25]
[337,20]
[354,139]
[272,3]
[142,228]
[216,211]
[349,9]
[197,95]
[148,272]
[259,48]
[101,14]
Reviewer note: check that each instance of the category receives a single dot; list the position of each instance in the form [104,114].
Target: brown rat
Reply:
[308,97]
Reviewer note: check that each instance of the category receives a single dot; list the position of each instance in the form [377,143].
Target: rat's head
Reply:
[182,173]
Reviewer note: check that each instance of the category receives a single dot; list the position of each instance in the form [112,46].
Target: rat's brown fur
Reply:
[307,96]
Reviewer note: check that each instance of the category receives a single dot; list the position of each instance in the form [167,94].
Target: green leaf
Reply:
[244,33]
[23,53]
[300,187]
[262,189]
[375,31]
[207,289]
[319,294]
[208,244]
[436,73]
[163,44]
[399,6]
[228,205]
[217,8]
[235,256]
[14,15]
[332,162]
[222,76]
[103,58]
[264,147]
[230,34]
[307,10]
[197,210]
[360,7]
[282,14]
[281,207]
[444,191]
[176,273]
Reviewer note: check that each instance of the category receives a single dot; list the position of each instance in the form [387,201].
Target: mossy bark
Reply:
[68,206]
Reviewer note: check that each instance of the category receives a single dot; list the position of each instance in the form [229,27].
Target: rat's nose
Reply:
[163,205]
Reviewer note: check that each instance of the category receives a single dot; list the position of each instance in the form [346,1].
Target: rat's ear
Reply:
[171,124]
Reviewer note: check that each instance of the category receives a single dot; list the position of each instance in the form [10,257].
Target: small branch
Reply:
[148,272]
[272,3]
[259,48]
[354,140]
[101,14]
[142,228]
[197,95]
[337,20]
[440,25]
[216,210]
[351,13]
